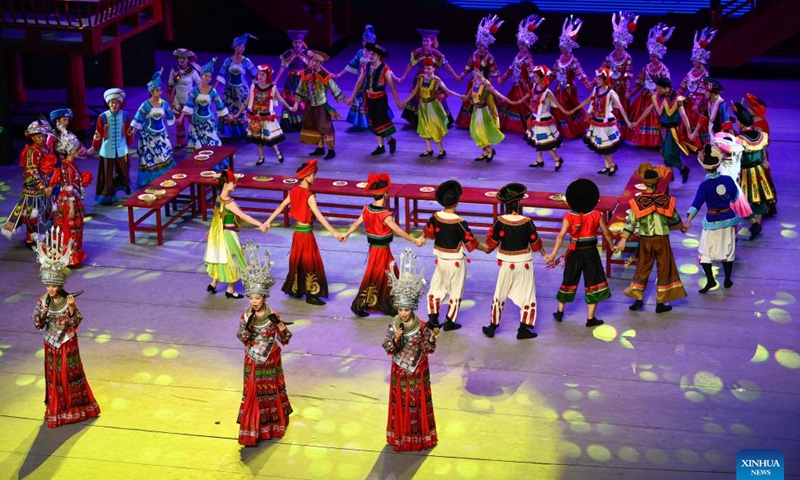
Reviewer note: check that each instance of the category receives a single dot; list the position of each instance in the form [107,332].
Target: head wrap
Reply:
[649,174]
[208,67]
[712,157]
[369,34]
[448,193]
[242,40]
[378,183]
[511,192]
[432,34]
[605,73]
[60,113]
[184,53]
[155,81]
[307,169]
[114,94]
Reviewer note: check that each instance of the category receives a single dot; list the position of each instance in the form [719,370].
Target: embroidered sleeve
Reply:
[388,341]
[494,235]
[223,71]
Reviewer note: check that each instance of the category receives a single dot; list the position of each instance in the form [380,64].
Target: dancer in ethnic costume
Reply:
[619,61]
[515,118]
[654,215]
[111,138]
[224,250]
[714,117]
[693,86]
[754,183]
[306,272]
[647,134]
[357,116]
[34,205]
[451,236]
[377,75]
[265,409]
[516,236]
[182,79]
[233,75]
[293,62]
[411,425]
[69,211]
[313,92]
[373,293]
[729,149]
[68,397]
[758,109]
[262,126]
[484,125]
[155,149]
[603,136]
[567,71]
[718,240]
[543,134]
[427,52]
[481,60]
[432,123]
[203,130]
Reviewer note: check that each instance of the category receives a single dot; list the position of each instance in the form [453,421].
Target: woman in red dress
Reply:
[373,293]
[619,61]
[411,425]
[566,71]
[514,118]
[264,413]
[68,397]
[480,59]
[692,86]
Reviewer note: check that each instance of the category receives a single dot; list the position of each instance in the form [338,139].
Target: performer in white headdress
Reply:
[513,118]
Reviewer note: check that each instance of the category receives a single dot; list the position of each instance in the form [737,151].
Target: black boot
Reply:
[710,282]
[559,316]
[313,300]
[379,150]
[593,322]
[433,320]
[331,153]
[523,332]
[728,267]
[450,325]
[489,331]
[684,174]
[755,230]
[392,145]
[662,307]
[636,305]
[318,151]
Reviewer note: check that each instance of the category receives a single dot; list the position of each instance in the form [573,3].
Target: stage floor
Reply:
[670,396]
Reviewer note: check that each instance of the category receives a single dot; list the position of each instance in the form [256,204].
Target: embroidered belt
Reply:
[232,228]
[303,228]
[717,211]
[379,94]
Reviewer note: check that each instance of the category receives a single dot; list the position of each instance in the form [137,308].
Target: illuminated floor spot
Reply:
[695,397]
[648,376]
[573,395]
[142,377]
[163,380]
[442,467]
[147,277]
[599,453]
[788,234]
[689,268]
[170,353]
[606,428]
[144,337]
[573,416]
[687,457]
[312,413]
[325,426]
[606,333]
[349,293]
[595,395]
[481,404]
[690,243]
[783,298]
[779,315]
[707,382]
[741,429]
[747,391]
[580,427]
[150,351]
[716,457]
[41,383]
[336,287]
[523,399]
[467,469]
[314,453]
[657,456]
[571,450]
[25,380]
[119,404]
[127,336]
[788,225]
[350,429]
[103,338]
[761,354]
[713,428]
[628,454]
[467,304]
[40,353]
[788,358]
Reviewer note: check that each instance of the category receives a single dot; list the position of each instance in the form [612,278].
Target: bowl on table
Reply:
[157,192]
[148,198]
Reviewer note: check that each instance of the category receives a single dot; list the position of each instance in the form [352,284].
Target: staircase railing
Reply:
[65,14]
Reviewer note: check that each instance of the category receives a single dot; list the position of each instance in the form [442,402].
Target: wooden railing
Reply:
[65,14]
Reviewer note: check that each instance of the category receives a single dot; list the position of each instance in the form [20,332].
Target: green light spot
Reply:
[573,395]
[689,268]
[687,457]
[144,337]
[779,315]
[783,298]
[312,413]
[606,428]
[657,456]
[580,427]
[740,429]
[25,380]
[103,338]
[708,383]
[170,353]
[595,395]
[713,428]
[788,358]
[788,234]
[572,416]
[163,380]
[599,453]
[747,391]
[606,333]
[571,450]
[648,376]
[142,377]
[628,454]
[761,355]
[150,351]
[694,397]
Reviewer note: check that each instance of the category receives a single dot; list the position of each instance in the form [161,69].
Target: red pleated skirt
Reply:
[411,425]
[374,292]
[68,397]
[265,409]
[306,271]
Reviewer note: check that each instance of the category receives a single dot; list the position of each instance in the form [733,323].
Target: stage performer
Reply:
[484,126]
[203,126]
[313,92]
[182,79]
[481,60]
[452,239]
[714,117]
[233,75]
[377,75]
[567,71]
[263,127]
[619,61]
[357,116]
[694,84]
[155,148]
[59,120]
[69,211]
[293,62]
[543,134]
[515,119]
[432,123]
[603,136]
[758,109]
[647,134]
[516,236]
[111,138]
[427,52]
[755,186]
[654,215]
[718,240]
[68,397]
[411,425]
[265,409]
[373,293]
[223,250]
[730,150]
[306,272]
[35,205]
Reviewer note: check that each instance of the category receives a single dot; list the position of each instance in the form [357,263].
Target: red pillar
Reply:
[167,27]
[115,64]
[76,92]
[18,92]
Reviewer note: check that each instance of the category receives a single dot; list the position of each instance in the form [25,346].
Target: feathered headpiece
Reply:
[526,28]
[209,67]
[369,34]
[257,273]
[53,256]
[569,33]
[699,51]
[378,183]
[657,39]
[624,26]
[242,40]
[407,287]
[155,81]
[486,30]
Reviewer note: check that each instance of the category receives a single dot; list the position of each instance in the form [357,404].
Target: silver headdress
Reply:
[67,143]
[657,38]
[624,26]
[569,33]
[486,30]
[407,288]
[53,257]
[257,275]
[699,52]
[526,28]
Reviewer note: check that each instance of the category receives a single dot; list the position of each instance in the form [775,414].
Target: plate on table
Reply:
[262,178]
[640,186]
[616,227]
[179,176]
[525,196]
[208,174]
[158,192]
[339,183]
[201,158]
[238,176]
[168,183]
[361,184]
[558,197]
[147,198]
[490,194]
[427,189]
[206,152]
[289,180]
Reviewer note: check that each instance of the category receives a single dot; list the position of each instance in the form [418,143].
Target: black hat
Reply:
[663,82]
[713,85]
[512,192]
[374,47]
[712,157]
[744,117]
[448,193]
[582,195]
